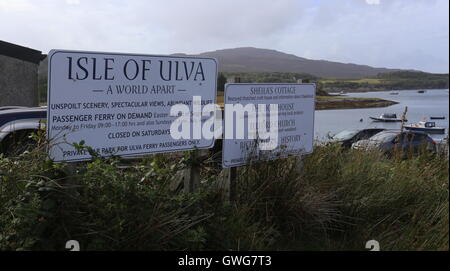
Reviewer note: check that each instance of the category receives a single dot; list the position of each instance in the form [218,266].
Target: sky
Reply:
[405,34]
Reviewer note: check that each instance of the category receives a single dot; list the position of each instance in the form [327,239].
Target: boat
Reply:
[341,93]
[421,91]
[387,117]
[334,94]
[394,93]
[438,118]
[425,126]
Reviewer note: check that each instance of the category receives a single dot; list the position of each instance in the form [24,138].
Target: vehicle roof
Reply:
[364,129]
[24,109]
[9,107]
[10,115]
[374,128]
[396,131]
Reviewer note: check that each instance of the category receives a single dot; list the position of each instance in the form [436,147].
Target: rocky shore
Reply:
[327,102]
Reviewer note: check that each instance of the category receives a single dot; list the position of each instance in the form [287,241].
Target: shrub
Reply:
[328,200]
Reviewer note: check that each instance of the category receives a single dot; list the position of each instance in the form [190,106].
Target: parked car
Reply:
[347,137]
[10,107]
[17,124]
[390,140]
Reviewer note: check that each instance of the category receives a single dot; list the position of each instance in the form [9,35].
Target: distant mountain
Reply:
[249,59]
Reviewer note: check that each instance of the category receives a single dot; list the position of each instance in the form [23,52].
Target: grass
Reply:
[328,200]
[388,81]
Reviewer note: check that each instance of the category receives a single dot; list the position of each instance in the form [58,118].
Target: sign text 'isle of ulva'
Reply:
[119,104]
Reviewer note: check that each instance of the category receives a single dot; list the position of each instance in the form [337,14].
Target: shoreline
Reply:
[384,90]
[333,102]
[341,102]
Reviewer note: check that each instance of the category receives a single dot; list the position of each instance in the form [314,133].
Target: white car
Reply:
[17,124]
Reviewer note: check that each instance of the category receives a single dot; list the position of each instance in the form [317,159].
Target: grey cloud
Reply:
[395,33]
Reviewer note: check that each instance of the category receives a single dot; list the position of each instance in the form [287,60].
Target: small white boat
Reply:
[387,117]
[425,126]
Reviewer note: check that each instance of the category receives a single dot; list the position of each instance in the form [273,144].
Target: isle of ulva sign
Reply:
[119,104]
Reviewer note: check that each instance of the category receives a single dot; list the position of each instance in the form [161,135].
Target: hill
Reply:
[389,81]
[249,59]
[255,60]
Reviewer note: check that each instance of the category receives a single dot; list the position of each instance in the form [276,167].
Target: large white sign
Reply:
[291,120]
[119,104]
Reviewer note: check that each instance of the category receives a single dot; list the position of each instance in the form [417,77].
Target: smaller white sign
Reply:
[267,121]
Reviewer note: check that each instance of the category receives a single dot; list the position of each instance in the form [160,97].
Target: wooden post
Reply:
[192,173]
[231,174]
[299,165]
[403,119]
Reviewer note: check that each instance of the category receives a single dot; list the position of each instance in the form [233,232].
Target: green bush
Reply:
[328,200]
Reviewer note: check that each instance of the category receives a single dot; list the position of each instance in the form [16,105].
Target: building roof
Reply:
[20,52]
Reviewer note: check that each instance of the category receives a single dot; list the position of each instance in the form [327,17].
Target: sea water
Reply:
[421,106]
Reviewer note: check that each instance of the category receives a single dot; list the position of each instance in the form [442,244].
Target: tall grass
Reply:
[402,203]
[328,200]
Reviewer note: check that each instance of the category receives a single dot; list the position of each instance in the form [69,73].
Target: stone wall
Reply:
[18,82]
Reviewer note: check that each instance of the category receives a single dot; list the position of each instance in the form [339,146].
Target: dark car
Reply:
[347,137]
[390,140]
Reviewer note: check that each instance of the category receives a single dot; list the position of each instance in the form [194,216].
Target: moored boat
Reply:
[387,117]
[425,126]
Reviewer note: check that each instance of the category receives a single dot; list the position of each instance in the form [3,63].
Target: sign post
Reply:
[192,173]
[231,173]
